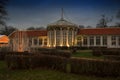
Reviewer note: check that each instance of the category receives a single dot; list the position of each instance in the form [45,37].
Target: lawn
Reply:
[86,54]
[43,74]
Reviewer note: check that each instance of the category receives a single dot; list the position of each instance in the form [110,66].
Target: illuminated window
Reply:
[45,41]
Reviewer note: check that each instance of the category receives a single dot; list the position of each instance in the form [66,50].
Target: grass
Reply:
[86,54]
[43,74]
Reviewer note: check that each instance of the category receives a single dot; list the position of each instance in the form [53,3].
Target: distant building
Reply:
[4,41]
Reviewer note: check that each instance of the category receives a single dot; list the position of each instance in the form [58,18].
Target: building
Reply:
[25,40]
[64,33]
[4,41]
[61,33]
[99,37]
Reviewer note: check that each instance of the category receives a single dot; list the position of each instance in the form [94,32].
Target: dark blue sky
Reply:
[26,13]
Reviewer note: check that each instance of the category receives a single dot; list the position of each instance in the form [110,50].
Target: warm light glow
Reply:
[54,45]
[61,45]
[68,45]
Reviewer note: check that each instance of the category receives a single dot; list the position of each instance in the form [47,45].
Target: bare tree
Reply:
[10,29]
[3,12]
[33,28]
[89,27]
[103,22]
[118,17]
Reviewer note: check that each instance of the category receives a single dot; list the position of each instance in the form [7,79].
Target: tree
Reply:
[89,27]
[103,22]
[40,28]
[3,12]
[118,17]
[31,28]
[10,29]
[81,26]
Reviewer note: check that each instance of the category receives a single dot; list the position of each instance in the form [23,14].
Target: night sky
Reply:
[26,13]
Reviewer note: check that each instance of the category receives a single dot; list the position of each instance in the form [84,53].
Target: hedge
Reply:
[57,53]
[100,51]
[75,65]
[34,61]
[95,67]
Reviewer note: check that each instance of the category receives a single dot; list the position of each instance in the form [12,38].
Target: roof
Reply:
[99,31]
[62,22]
[4,39]
[31,33]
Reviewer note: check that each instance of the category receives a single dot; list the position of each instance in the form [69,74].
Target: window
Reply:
[40,41]
[113,40]
[85,41]
[97,40]
[91,40]
[30,41]
[119,40]
[104,40]
[45,41]
[35,41]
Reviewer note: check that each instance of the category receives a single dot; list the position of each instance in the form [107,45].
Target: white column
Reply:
[32,41]
[101,40]
[37,41]
[67,37]
[61,35]
[94,40]
[42,41]
[117,42]
[109,41]
[88,41]
[54,37]
[48,37]
[72,37]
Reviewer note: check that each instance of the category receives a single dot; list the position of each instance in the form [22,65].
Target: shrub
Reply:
[112,57]
[95,67]
[56,52]
[34,61]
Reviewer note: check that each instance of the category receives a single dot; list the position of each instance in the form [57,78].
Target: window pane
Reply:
[40,41]
[91,40]
[85,41]
[104,40]
[35,41]
[97,40]
[113,40]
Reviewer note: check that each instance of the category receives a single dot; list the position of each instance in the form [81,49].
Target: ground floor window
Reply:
[85,41]
[113,40]
[45,41]
[91,40]
[35,41]
[104,40]
[98,40]
[119,40]
[40,41]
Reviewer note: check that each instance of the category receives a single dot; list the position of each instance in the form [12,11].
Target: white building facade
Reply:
[99,37]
